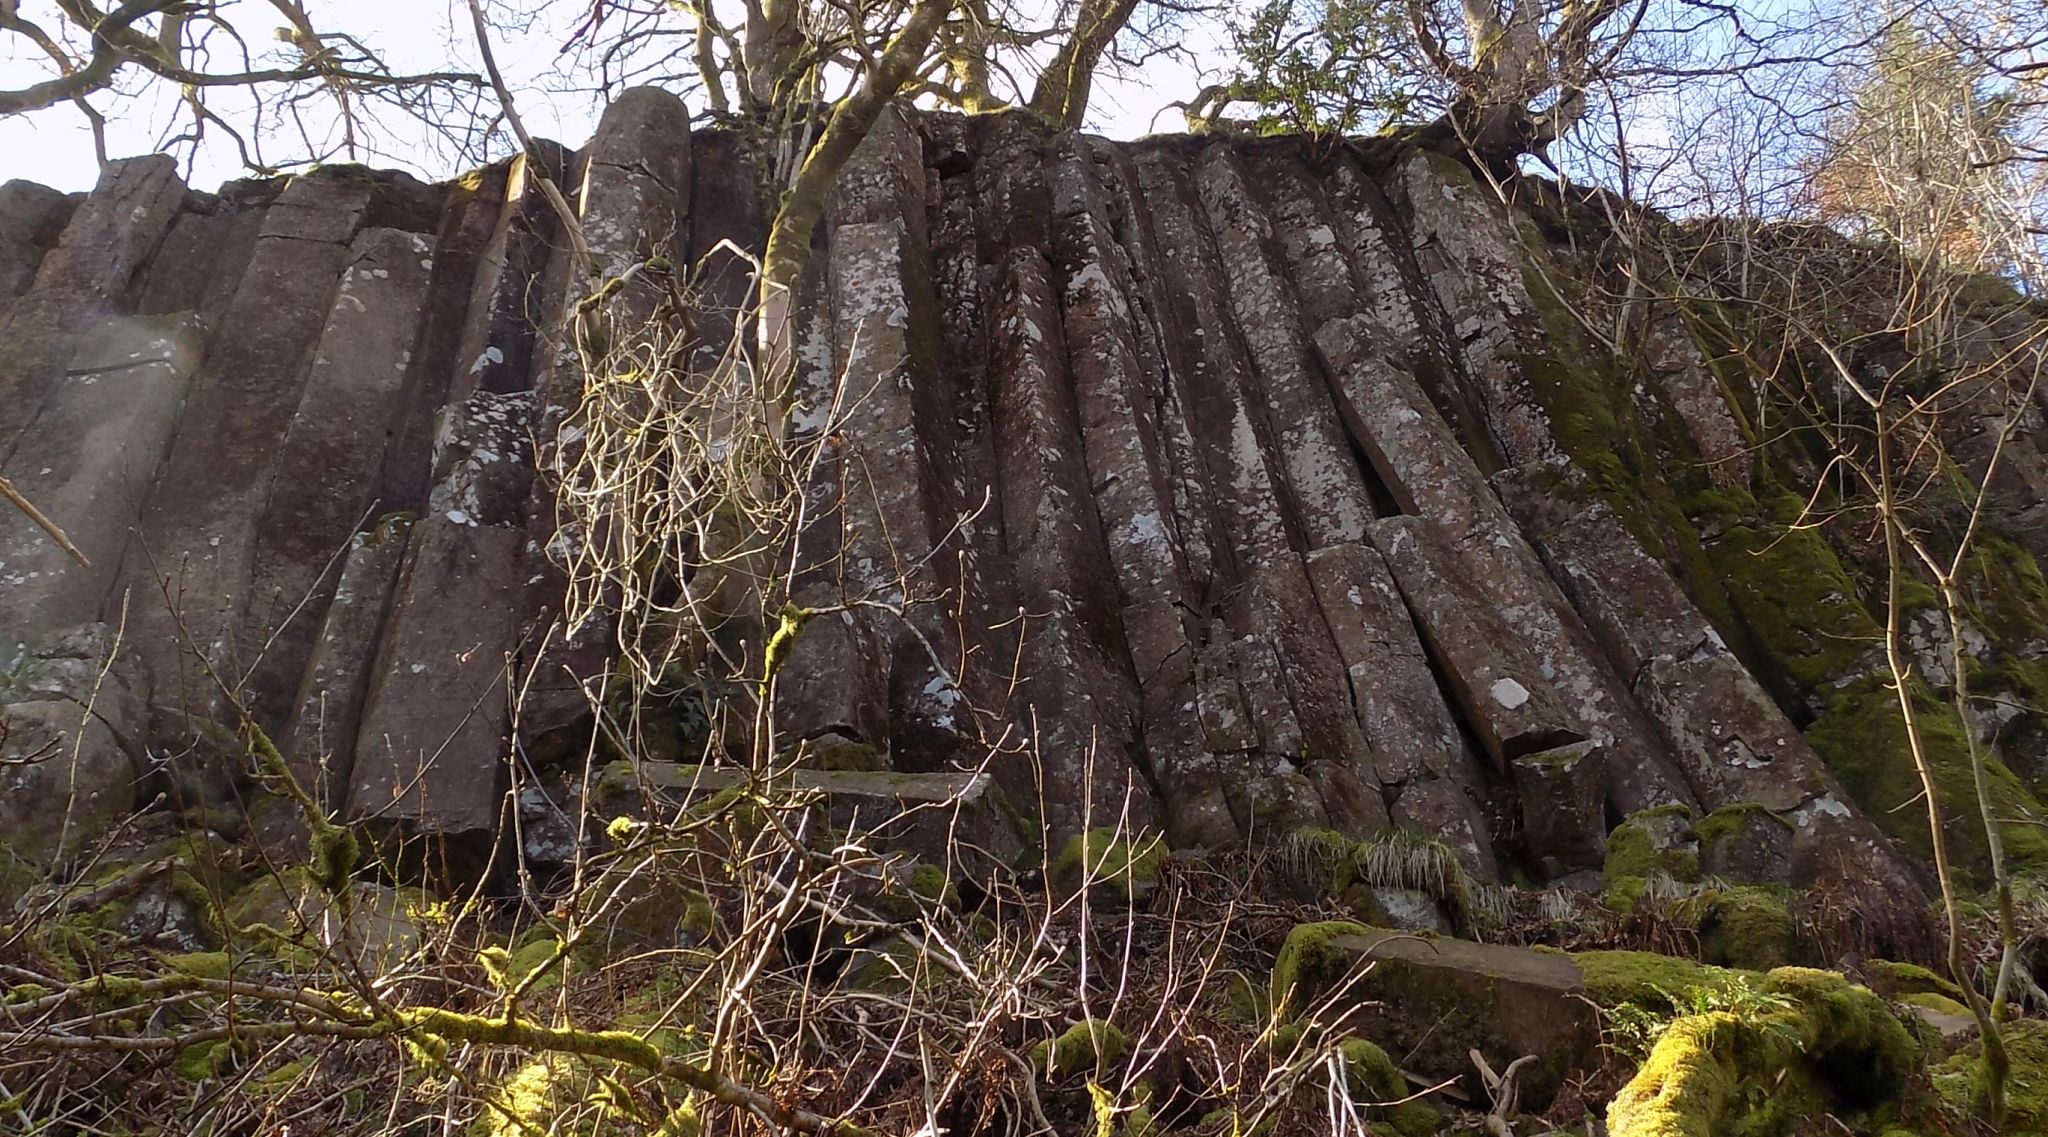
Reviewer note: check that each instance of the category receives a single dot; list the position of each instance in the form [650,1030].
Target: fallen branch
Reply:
[8,491]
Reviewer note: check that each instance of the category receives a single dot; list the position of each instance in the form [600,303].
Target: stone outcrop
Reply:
[1256,470]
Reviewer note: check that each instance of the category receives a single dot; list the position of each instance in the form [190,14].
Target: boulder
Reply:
[1433,998]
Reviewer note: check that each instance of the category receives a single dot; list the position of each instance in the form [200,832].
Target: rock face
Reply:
[1205,442]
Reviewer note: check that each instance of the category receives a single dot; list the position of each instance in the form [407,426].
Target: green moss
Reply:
[1692,1080]
[203,964]
[683,1121]
[23,993]
[2026,1087]
[1888,977]
[1089,1045]
[1623,894]
[1311,965]
[1632,850]
[1243,1001]
[284,1077]
[700,920]
[894,968]
[1372,1079]
[526,1102]
[1940,1004]
[1371,1075]
[205,1060]
[1862,738]
[1845,1020]
[1814,1043]
[1108,861]
[837,752]
[523,964]
[1414,1119]
[908,892]
[1748,927]
[1589,398]
[1794,600]
[1649,980]
[1731,821]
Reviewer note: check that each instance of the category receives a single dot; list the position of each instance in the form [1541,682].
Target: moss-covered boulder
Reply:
[1655,840]
[1434,998]
[1806,1043]
[1748,926]
[1746,842]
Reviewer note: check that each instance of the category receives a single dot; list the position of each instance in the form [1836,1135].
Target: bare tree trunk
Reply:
[1996,1063]
[1061,96]
[789,237]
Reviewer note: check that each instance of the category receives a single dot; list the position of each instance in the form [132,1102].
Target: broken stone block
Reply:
[1433,998]
[1396,697]
[1562,817]
[1746,841]
[1506,697]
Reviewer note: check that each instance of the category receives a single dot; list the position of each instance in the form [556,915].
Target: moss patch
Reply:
[1819,1044]
[2026,1087]
[1649,980]
[1862,737]
[1311,965]
[1748,927]
[1792,595]
[1633,850]
[1110,862]
[1897,979]
[1088,1045]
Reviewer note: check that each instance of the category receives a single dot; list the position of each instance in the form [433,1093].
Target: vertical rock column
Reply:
[634,206]
[189,566]
[896,520]
[1080,696]
[1427,769]
[1282,481]
[85,278]
[1134,496]
[352,393]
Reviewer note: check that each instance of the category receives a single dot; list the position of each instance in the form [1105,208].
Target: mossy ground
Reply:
[2026,1088]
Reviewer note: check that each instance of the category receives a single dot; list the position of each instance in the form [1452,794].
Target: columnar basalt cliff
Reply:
[1285,478]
